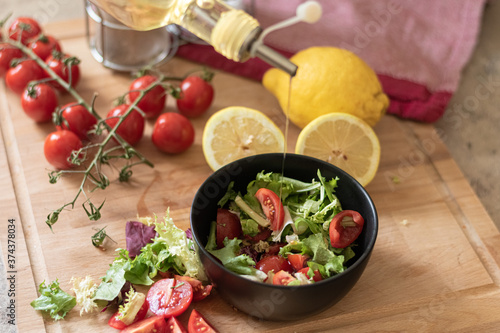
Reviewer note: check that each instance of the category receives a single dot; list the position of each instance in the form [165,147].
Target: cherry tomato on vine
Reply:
[58,148]
[43,45]
[76,118]
[198,324]
[7,54]
[272,207]
[169,297]
[172,133]
[345,227]
[228,225]
[23,29]
[196,96]
[66,67]
[156,324]
[274,263]
[39,101]
[153,102]
[18,77]
[132,127]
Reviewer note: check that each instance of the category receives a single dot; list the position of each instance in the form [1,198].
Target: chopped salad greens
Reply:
[297,241]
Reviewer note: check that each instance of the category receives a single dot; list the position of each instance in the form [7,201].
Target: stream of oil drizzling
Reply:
[287,122]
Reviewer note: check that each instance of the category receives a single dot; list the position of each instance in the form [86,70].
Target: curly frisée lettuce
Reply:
[309,208]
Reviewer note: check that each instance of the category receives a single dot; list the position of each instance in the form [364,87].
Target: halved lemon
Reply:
[236,132]
[345,141]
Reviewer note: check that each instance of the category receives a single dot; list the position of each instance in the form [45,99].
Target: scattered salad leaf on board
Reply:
[53,300]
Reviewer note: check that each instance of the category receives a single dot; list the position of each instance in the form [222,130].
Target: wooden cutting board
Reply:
[435,266]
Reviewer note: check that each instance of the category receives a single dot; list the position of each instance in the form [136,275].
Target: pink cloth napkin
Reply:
[418,48]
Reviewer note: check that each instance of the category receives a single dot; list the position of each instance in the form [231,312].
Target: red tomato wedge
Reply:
[345,228]
[274,263]
[272,207]
[283,278]
[228,225]
[169,297]
[316,277]
[197,324]
[175,326]
[297,260]
[156,324]
[199,290]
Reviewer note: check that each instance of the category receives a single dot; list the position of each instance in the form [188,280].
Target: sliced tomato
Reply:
[199,290]
[156,324]
[175,326]
[272,207]
[274,263]
[116,322]
[345,228]
[316,277]
[297,260]
[283,278]
[169,297]
[228,225]
[197,324]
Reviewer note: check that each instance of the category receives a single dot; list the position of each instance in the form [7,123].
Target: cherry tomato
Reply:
[272,207]
[43,45]
[153,102]
[297,260]
[316,277]
[76,118]
[198,324]
[65,67]
[39,101]
[18,77]
[132,127]
[345,227]
[7,54]
[115,322]
[58,148]
[173,133]
[175,326]
[199,290]
[228,225]
[283,278]
[274,263]
[169,297]
[23,29]
[196,96]
[156,324]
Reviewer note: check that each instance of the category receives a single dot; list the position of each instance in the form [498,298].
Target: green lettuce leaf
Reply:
[53,300]
[228,255]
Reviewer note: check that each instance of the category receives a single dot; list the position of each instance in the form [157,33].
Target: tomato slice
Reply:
[297,260]
[274,263]
[272,207]
[155,324]
[345,228]
[283,278]
[316,277]
[175,326]
[169,297]
[199,290]
[228,225]
[197,324]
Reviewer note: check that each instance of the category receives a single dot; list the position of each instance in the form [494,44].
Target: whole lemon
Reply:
[328,80]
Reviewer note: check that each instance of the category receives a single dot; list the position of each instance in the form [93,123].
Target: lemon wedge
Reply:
[236,132]
[343,140]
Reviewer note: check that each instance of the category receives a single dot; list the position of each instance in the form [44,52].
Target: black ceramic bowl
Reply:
[271,302]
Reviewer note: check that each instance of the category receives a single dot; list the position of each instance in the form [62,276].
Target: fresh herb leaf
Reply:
[53,300]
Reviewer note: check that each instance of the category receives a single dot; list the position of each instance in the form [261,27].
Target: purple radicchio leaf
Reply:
[137,235]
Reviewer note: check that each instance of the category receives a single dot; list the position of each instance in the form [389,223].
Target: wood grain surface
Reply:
[435,266]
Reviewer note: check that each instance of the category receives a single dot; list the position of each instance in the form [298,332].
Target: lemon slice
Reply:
[236,132]
[345,141]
